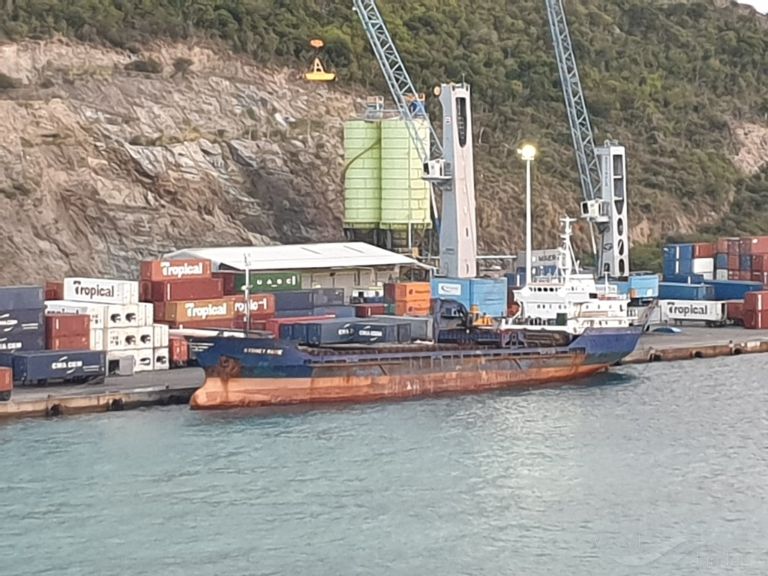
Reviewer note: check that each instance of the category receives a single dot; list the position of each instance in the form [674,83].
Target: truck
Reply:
[43,367]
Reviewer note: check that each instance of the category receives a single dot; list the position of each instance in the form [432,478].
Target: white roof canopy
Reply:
[298,256]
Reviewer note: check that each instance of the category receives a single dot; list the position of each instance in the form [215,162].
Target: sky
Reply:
[760,5]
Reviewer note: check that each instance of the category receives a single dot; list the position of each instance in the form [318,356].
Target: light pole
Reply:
[527,153]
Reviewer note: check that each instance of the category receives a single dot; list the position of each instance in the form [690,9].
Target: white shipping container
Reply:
[703,265]
[721,274]
[161,359]
[145,336]
[101,290]
[162,335]
[97,312]
[122,316]
[679,311]
[144,359]
[97,339]
[121,339]
[146,313]
[120,363]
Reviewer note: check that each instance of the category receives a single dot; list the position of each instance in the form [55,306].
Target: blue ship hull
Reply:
[259,372]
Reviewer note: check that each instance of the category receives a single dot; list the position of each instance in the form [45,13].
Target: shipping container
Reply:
[722,274]
[643,286]
[145,337]
[679,291]
[686,279]
[160,270]
[159,311]
[178,351]
[760,263]
[228,324]
[6,383]
[421,328]
[458,289]
[121,338]
[761,277]
[46,367]
[678,252]
[745,276]
[734,262]
[145,291]
[722,244]
[161,335]
[23,341]
[734,247]
[490,296]
[256,325]
[101,290]
[721,261]
[703,266]
[734,310]
[411,309]
[368,310]
[21,297]
[120,362]
[177,290]
[97,312]
[228,282]
[756,301]
[327,297]
[20,321]
[161,359]
[330,332]
[96,339]
[144,359]
[732,290]
[756,320]
[335,311]
[146,313]
[381,332]
[262,305]
[754,245]
[54,291]
[703,250]
[273,325]
[745,263]
[269,282]
[201,310]
[711,313]
[68,342]
[407,292]
[65,325]
[294,300]
[294,313]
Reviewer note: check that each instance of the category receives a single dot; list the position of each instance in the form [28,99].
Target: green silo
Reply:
[405,195]
[362,174]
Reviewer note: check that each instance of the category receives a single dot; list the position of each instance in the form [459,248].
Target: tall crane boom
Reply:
[602,171]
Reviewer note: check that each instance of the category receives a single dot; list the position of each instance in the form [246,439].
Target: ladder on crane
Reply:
[602,171]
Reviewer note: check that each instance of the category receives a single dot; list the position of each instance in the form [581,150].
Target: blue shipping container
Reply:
[745,262]
[622,288]
[677,291]
[294,313]
[678,252]
[684,279]
[297,300]
[19,321]
[21,297]
[338,311]
[23,341]
[489,295]
[329,332]
[685,266]
[721,262]
[670,268]
[327,297]
[732,289]
[458,289]
[46,365]
[643,286]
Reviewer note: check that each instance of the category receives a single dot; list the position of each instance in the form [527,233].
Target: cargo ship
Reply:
[565,328]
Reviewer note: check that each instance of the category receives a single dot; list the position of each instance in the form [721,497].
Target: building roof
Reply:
[298,256]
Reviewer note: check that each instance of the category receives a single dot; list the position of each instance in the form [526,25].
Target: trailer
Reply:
[44,367]
[708,312]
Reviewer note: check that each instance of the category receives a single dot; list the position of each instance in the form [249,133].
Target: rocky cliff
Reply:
[102,164]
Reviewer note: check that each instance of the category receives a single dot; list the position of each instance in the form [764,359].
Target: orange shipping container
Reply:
[262,305]
[412,309]
[191,311]
[54,290]
[67,326]
[179,351]
[69,343]
[407,292]
[754,245]
[722,244]
[756,301]
[704,250]
[187,269]
[6,383]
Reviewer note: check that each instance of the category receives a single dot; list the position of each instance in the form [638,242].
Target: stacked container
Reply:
[408,298]
[755,313]
[21,318]
[67,332]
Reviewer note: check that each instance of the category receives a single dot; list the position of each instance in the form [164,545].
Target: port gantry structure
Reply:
[448,167]
[602,170]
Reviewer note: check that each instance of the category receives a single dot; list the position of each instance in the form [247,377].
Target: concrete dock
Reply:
[177,386]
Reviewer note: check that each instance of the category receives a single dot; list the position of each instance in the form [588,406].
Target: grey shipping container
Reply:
[296,300]
[338,311]
[327,297]
[294,313]
[21,321]
[421,327]
[329,332]
[374,332]
[23,341]
[48,366]
[21,297]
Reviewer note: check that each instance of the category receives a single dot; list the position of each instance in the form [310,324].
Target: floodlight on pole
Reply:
[528,153]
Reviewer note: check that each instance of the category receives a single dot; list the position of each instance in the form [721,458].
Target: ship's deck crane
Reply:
[450,166]
[602,170]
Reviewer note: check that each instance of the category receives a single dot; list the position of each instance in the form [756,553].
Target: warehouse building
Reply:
[349,265]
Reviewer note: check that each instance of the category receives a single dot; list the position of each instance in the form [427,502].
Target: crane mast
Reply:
[450,166]
[602,171]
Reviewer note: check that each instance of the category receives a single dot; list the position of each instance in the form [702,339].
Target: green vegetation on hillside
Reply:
[664,78]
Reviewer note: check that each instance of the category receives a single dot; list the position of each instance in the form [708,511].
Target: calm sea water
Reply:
[658,469]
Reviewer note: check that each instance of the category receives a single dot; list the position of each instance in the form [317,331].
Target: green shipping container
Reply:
[270,281]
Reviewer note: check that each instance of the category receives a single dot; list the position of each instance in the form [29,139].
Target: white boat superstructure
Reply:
[570,300]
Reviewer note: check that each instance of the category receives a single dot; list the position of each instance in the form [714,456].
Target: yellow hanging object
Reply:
[318,72]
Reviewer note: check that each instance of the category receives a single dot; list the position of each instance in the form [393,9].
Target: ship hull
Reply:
[256,373]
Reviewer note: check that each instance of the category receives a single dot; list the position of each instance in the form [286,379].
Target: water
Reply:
[657,469]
